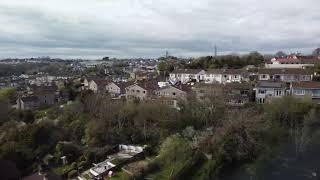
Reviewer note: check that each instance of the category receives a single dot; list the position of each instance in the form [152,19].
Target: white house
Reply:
[267,90]
[310,90]
[223,76]
[187,75]
[285,75]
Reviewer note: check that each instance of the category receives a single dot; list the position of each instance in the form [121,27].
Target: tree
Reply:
[280,54]
[8,93]
[105,58]
[4,110]
[316,52]
[255,58]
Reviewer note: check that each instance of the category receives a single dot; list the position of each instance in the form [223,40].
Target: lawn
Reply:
[120,176]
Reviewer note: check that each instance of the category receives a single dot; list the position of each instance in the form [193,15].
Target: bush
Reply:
[72,174]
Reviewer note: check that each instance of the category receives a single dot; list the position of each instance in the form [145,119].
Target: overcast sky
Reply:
[147,28]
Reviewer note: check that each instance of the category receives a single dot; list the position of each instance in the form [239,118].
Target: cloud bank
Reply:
[148,28]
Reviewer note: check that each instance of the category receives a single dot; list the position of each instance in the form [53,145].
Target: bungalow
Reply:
[28,103]
[223,76]
[186,75]
[267,90]
[142,91]
[285,75]
[306,90]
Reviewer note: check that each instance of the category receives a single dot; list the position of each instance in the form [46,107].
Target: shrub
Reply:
[72,173]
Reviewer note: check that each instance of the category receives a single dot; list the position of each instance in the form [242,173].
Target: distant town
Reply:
[95,119]
[45,81]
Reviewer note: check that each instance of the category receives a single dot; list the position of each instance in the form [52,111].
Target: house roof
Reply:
[288,60]
[238,86]
[123,85]
[186,71]
[29,99]
[285,71]
[149,85]
[271,84]
[225,71]
[101,82]
[306,85]
[181,87]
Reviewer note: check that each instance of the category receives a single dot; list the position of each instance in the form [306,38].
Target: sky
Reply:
[148,28]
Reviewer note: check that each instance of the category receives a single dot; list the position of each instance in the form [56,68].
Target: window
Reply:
[261,100]
[299,92]
[144,92]
[316,93]
[174,93]
[262,91]
[278,92]
[263,76]
[235,76]
[138,91]
[132,90]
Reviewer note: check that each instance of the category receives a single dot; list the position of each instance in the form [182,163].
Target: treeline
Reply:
[277,141]
[202,140]
[227,61]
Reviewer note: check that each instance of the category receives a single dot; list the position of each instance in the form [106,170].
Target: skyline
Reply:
[141,28]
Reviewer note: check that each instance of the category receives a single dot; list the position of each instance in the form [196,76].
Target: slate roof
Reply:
[225,71]
[285,71]
[270,84]
[186,71]
[306,85]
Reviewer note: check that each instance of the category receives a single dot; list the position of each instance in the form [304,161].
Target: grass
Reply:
[62,169]
[117,161]
[120,176]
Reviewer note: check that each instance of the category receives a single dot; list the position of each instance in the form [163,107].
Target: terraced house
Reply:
[285,75]
[223,76]
[268,90]
[187,75]
[309,90]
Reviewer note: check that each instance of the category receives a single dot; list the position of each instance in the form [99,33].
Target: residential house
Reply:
[142,90]
[234,94]
[98,85]
[142,75]
[28,103]
[117,89]
[267,90]
[223,76]
[47,95]
[186,75]
[309,90]
[170,95]
[238,94]
[285,75]
[204,91]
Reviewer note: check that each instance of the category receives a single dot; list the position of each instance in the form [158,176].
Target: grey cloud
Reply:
[148,28]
